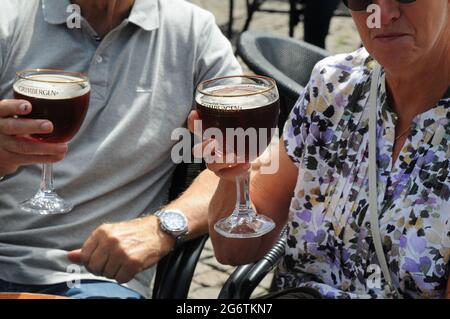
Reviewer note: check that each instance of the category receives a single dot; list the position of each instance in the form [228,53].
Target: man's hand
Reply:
[120,251]
[16,148]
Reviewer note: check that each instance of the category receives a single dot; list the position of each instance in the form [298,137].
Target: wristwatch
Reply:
[174,223]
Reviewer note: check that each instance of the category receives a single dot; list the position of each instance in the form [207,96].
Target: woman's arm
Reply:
[271,195]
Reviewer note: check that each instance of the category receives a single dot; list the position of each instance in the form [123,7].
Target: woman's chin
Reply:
[399,61]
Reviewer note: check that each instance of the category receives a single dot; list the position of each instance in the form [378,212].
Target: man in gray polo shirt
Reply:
[144,59]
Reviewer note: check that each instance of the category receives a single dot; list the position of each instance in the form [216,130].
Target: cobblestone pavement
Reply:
[210,275]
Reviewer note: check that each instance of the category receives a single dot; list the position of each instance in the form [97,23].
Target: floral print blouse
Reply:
[329,243]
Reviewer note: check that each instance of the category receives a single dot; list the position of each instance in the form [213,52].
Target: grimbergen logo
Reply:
[37,91]
[222,107]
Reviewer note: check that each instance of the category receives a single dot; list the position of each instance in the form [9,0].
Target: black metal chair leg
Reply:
[292,17]
[230,20]
[251,8]
[296,10]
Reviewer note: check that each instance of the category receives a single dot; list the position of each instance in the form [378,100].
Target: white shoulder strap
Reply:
[373,207]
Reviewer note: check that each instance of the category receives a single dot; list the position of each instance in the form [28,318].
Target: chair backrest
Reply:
[175,271]
[288,61]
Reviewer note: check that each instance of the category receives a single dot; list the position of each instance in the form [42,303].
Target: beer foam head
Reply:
[52,86]
[239,96]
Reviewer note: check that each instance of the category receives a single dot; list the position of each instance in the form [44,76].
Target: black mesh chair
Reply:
[174,272]
[288,61]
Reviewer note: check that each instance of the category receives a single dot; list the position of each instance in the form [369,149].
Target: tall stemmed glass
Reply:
[244,110]
[62,98]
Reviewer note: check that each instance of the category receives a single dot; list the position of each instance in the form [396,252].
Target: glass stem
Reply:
[47,179]
[243,205]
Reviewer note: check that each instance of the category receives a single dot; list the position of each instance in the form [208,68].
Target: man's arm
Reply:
[194,202]
[120,251]
[216,57]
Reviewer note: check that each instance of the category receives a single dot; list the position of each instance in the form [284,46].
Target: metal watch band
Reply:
[181,238]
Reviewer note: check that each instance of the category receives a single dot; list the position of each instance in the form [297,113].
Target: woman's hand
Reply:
[224,166]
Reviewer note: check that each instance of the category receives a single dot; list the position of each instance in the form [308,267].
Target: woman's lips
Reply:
[391,37]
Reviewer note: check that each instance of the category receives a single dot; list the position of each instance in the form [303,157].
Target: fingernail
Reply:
[24,108]
[46,126]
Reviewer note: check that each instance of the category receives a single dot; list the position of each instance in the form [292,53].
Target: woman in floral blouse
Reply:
[321,188]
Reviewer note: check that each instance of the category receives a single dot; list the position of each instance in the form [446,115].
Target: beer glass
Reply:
[241,114]
[62,98]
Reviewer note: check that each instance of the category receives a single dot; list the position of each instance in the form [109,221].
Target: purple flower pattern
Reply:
[329,244]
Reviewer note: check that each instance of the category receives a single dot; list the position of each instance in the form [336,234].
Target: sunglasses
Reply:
[361,5]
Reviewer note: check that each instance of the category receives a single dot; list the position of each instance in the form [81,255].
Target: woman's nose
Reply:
[389,11]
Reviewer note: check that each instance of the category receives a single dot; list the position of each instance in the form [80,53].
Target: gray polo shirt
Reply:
[143,76]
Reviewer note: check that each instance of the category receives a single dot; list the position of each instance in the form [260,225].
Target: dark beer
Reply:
[241,113]
[224,109]
[63,104]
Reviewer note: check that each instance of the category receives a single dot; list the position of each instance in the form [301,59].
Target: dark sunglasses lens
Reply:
[358,5]
[361,5]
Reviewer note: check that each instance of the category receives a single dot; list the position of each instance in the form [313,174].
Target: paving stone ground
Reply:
[210,276]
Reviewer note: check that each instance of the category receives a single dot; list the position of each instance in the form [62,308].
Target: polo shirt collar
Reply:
[145,13]
[55,11]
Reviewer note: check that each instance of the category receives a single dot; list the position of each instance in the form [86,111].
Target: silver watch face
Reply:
[174,222]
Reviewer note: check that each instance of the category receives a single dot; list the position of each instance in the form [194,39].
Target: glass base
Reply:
[46,203]
[244,227]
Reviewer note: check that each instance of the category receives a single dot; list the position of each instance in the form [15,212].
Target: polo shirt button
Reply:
[98,59]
